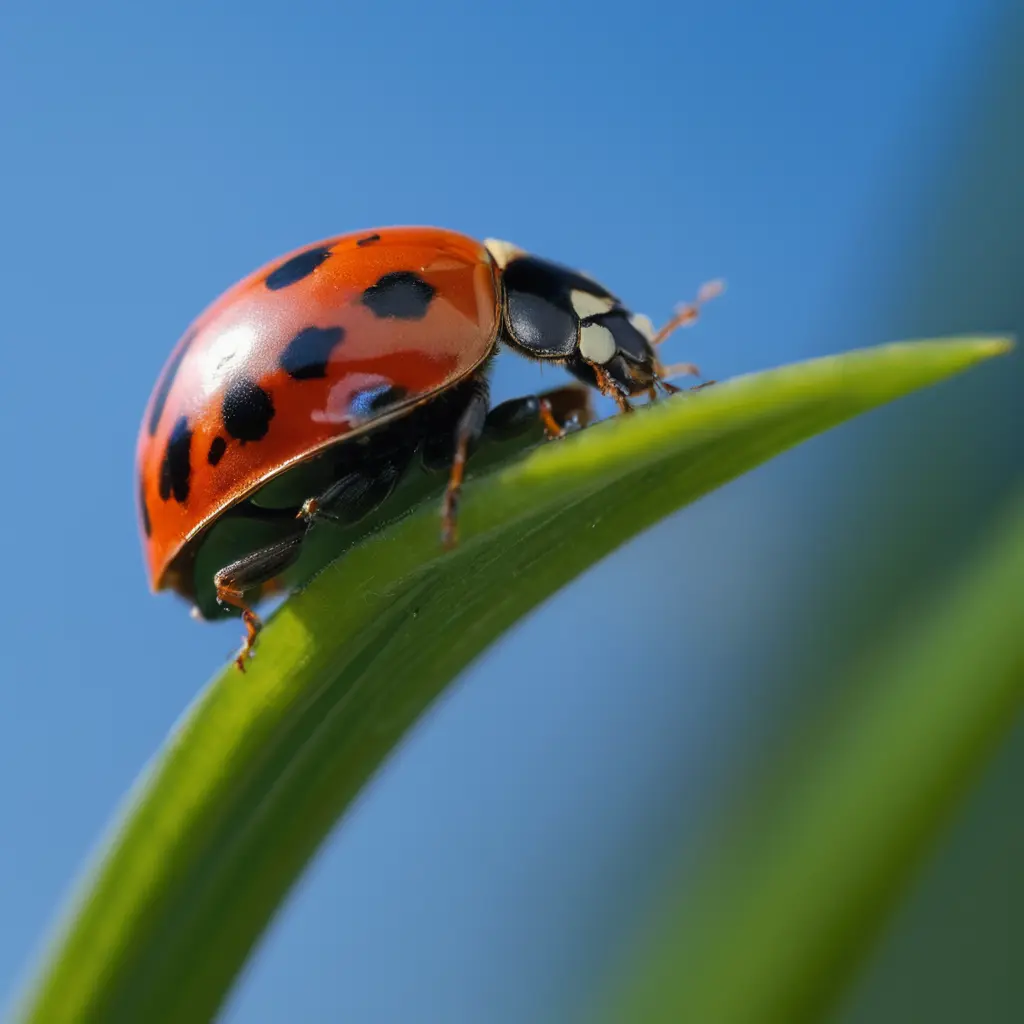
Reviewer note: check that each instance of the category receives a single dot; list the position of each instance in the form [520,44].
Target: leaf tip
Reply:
[995,345]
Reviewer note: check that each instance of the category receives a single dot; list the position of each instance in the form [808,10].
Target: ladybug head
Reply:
[551,312]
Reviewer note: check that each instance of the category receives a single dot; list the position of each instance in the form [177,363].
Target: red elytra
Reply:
[231,357]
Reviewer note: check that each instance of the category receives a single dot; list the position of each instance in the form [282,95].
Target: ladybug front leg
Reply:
[249,572]
[609,388]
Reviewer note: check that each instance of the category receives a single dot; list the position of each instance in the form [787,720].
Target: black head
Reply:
[552,312]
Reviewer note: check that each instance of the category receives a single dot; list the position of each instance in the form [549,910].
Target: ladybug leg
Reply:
[561,411]
[468,431]
[225,595]
[666,373]
[547,417]
[354,495]
[559,421]
[256,568]
[663,373]
[607,387]
[570,407]
[684,316]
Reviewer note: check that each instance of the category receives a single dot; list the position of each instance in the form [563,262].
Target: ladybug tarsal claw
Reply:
[252,630]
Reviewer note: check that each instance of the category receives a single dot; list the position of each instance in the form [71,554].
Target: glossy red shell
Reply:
[391,317]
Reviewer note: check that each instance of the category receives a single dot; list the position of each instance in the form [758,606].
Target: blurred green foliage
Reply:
[795,889]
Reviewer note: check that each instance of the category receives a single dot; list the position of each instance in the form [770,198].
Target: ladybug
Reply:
[308,390]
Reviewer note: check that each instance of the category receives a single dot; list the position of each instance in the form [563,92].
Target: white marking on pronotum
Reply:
[643,325]
[588,304]
[502,252]
[597,344]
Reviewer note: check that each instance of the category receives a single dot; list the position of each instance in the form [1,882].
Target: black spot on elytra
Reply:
[144,510]
[163,388]
[368,240]
[297,267]
[367,403]
[247,410]
[306,355]
[218,446]
[400,295]
[176,467]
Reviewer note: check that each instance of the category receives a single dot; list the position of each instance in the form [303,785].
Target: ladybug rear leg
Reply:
[355,494]
[249,572]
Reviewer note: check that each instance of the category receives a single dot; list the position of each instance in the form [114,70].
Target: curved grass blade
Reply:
[264,764]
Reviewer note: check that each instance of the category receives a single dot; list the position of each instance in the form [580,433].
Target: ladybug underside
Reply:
[370,479]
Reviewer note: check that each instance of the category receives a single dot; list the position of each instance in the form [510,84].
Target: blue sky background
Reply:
[155,153]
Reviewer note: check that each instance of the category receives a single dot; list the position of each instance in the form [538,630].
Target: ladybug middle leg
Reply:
[448,428]
[249,572]
[559,411]
[468,431]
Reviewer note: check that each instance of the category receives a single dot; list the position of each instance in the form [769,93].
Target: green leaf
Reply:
[263,765]
[796,890]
